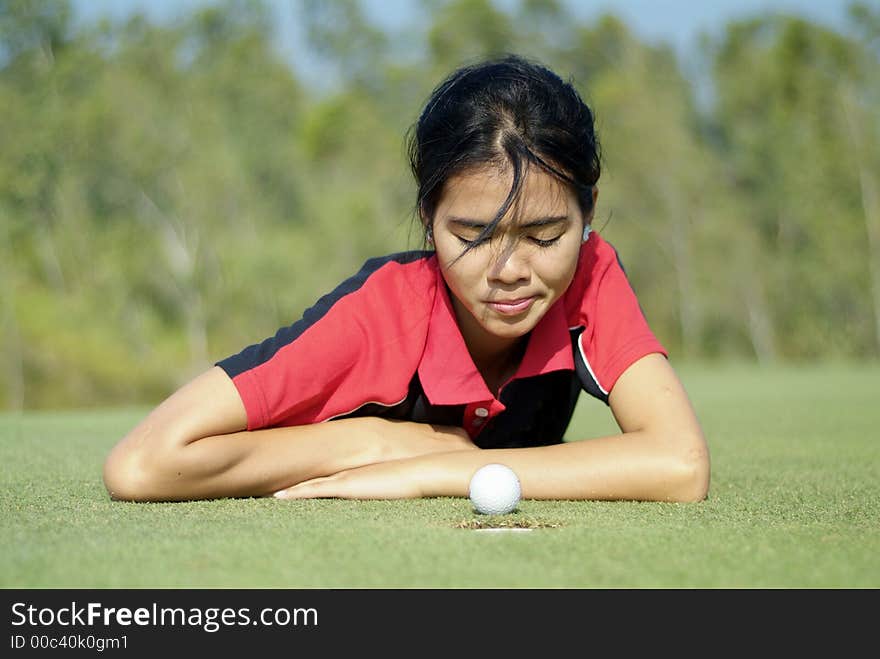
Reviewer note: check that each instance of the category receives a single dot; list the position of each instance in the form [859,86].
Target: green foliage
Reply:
[465,30]
[781,83]
[172,193]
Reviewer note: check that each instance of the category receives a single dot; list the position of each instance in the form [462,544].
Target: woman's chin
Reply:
[508,327]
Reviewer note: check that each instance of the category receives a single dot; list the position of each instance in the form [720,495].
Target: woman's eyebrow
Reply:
[545,221]
[468,223]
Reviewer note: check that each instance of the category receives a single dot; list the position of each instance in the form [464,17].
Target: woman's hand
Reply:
[384,480]
[398,440]
[398,472]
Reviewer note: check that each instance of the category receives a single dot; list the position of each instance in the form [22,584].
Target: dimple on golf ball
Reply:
[494,489]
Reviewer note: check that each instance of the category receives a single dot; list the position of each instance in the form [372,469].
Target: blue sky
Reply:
[678,22]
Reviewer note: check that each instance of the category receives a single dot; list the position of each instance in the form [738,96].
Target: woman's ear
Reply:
[427,224]
[588,220]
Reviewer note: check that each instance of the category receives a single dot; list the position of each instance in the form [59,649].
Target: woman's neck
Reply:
[499,366]
[496,358]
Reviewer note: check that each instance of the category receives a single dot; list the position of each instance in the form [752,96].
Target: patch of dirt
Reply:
[476,524]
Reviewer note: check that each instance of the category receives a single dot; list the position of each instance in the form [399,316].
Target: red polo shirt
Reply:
[386,343]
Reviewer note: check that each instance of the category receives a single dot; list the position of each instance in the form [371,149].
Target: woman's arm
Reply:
[661,455]
[194,446]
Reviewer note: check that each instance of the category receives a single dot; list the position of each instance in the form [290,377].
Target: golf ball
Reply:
[494,489]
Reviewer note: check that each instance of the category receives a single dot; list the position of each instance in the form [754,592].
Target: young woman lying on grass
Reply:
[427,365]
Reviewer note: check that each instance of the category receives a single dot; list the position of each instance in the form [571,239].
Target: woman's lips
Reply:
[511,307]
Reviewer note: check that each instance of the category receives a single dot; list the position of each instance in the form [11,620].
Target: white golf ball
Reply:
[494,489]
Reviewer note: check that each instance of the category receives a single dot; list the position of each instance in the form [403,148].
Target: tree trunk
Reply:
[871,207]
[14,366]
[12,361]
[684,273]
[180,249]
[870,196]
[761,331]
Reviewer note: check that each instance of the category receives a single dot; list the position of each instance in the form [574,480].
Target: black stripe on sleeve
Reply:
[626,276]
[259,353]
[588,382]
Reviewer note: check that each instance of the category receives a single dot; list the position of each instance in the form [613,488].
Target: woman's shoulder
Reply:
[596,256]
[411,273]
[384,287]
[410,265]
[597,253]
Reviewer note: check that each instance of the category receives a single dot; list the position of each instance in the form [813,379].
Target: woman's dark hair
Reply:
[507,111]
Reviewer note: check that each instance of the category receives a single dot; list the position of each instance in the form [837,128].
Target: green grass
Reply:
[794,503]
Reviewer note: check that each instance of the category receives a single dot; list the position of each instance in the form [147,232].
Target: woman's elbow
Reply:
[693,469]
[133,473]
[120,476]
[126,477]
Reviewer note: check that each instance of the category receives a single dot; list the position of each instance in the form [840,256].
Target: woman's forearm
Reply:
[257,463]
[636,466]
[633,466]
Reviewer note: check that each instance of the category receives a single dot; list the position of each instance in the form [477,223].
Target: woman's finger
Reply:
[306,489]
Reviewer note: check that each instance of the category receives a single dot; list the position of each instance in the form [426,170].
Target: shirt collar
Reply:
[549,347]
[447,372]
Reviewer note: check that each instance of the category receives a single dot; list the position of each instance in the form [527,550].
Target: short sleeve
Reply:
[615,331]
[354,346]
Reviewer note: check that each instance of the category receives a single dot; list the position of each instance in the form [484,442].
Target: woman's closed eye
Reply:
[545,242]
[535,240]
[471,242]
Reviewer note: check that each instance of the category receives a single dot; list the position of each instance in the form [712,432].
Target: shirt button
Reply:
[478,421]
[481,411]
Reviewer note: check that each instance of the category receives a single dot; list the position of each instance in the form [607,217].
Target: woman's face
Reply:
[503,287]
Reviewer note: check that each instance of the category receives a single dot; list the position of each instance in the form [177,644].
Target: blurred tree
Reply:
[32,32]
[340,33]
[780,81]
[465,30]
[860,100]
[172,192]
[656,176]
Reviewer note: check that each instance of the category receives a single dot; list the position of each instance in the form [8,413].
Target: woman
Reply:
[427,365]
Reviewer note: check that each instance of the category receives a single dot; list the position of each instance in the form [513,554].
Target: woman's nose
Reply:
[509,265]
